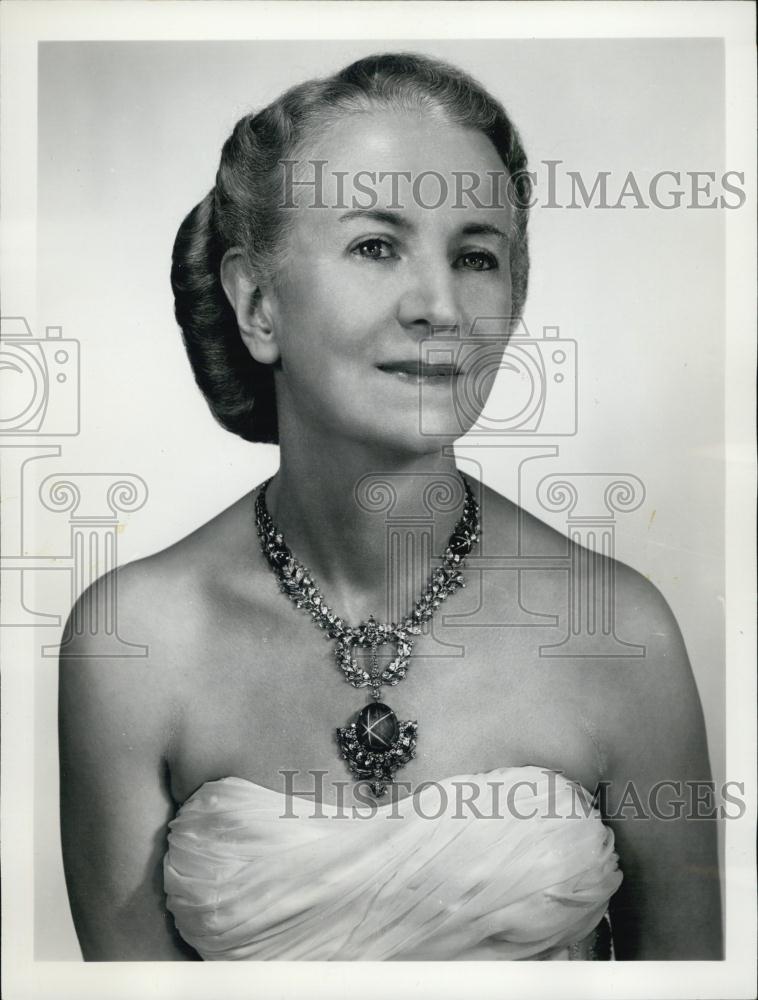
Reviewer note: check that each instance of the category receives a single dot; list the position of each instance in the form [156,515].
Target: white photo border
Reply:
[24,24]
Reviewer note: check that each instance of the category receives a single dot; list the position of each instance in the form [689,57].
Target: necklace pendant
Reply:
[376,744]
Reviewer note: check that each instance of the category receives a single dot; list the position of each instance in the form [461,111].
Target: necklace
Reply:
[375,744]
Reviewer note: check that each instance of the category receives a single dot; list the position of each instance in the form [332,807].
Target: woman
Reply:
[360,225]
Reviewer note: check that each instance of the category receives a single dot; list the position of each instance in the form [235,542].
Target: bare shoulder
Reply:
[160,607]
[119,716]
[658,720]
[642,700]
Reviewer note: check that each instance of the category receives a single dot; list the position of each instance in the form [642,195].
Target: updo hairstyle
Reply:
[243,210]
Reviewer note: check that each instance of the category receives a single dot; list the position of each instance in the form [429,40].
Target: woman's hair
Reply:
[243,210]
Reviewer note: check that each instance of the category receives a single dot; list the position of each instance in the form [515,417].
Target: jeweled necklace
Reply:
[376,744]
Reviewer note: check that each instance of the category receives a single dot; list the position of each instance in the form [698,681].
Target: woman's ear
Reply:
[250,306]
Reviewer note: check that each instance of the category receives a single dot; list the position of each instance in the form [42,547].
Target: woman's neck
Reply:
[367,523]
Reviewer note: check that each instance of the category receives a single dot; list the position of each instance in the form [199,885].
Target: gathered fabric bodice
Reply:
[514,863]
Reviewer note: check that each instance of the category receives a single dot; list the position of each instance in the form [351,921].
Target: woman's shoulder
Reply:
[217,546]
[645,659]
[160,607]
[510,530]
[186,574]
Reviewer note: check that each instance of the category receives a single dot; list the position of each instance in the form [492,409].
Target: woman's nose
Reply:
[430,298]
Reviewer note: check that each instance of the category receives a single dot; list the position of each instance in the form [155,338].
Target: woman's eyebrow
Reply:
[400,222]
[483,229]
[378,215]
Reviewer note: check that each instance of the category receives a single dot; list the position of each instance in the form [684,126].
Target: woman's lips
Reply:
[417,371]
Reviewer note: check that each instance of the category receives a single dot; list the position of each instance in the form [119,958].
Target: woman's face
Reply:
[393,307]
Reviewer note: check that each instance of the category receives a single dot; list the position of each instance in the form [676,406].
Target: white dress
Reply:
[252,874]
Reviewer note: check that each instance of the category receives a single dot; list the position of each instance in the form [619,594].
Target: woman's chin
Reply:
[413,439]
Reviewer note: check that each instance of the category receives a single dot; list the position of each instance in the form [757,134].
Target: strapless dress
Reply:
[523,871]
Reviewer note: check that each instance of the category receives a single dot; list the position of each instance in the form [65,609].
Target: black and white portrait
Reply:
[370,521]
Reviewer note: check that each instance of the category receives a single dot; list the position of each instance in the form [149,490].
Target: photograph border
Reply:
[24,25]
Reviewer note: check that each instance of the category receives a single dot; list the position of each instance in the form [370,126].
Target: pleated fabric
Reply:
[252,874]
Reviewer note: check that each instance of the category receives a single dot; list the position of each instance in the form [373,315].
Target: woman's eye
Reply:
[478,260]
[374,249]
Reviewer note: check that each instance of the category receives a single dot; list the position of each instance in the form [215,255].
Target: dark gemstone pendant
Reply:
[377,727]
[376,745]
